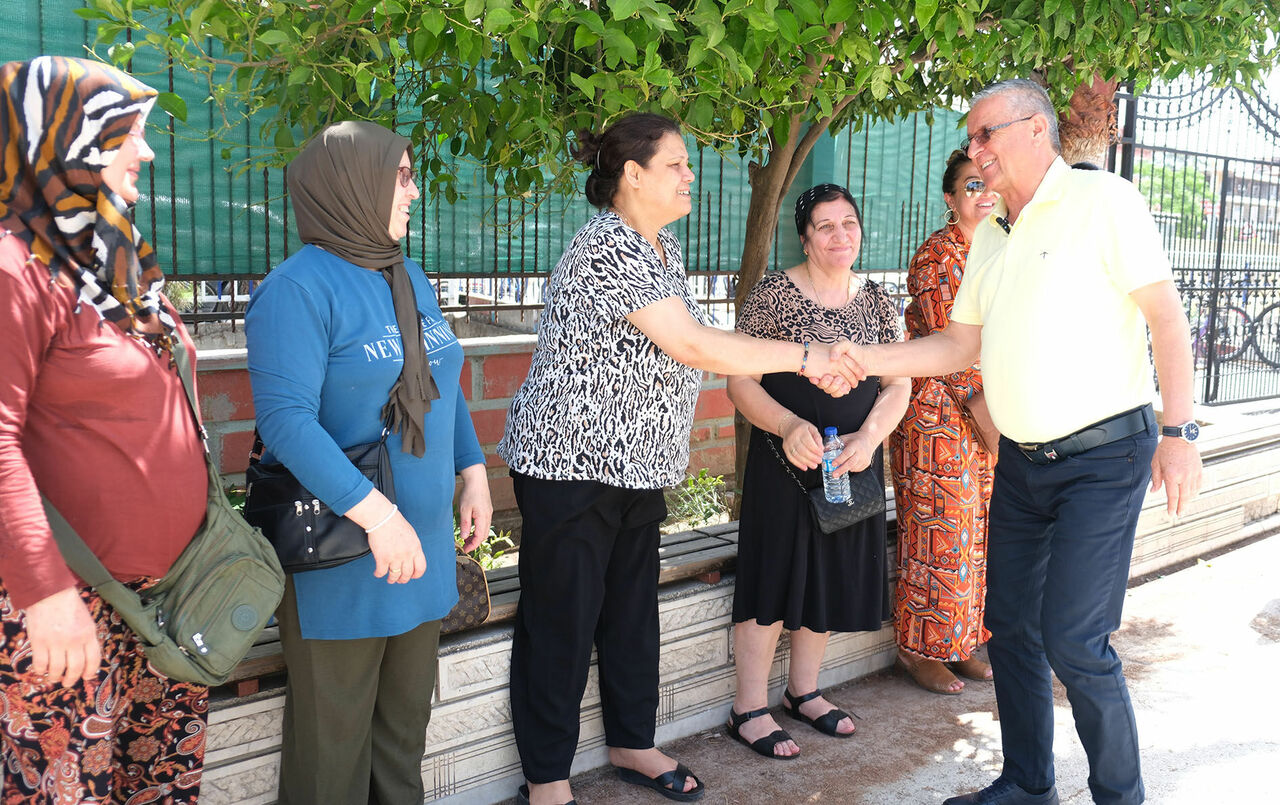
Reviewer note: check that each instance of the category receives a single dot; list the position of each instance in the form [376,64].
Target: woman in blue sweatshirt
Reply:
[328,365]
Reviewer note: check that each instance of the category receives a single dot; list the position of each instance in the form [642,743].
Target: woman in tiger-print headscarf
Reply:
[92,416]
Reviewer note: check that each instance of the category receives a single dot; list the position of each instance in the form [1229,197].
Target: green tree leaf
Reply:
[273,36]
[624,9]
[838,11]
[173,104]
[925,9]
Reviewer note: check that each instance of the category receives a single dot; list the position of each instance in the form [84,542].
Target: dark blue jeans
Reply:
[1058,553]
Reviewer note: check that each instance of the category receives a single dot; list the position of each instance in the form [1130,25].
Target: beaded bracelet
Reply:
[384,520]
[804,361]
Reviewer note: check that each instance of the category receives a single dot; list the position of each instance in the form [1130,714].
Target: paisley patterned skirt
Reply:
[130,736]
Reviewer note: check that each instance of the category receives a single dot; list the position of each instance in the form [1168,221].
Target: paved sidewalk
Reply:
[1200,648]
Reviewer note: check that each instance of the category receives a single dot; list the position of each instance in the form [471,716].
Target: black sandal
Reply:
[669,784]
[761,746]
[825,723]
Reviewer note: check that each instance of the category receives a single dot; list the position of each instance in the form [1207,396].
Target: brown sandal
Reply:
[972,668]
[932,675]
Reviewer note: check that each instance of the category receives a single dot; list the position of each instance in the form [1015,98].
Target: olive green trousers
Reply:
[355,715]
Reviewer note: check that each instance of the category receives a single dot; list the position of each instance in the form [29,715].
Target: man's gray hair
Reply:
[1025,98]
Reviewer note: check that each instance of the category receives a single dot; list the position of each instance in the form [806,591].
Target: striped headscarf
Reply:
[61,122]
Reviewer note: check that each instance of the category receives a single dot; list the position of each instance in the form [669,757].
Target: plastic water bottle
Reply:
[836,487]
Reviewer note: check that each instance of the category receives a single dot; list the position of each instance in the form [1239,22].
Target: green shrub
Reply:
[493,548]
[698,500]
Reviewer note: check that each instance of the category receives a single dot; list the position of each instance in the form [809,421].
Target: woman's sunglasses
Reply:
[407,175]
[973,187]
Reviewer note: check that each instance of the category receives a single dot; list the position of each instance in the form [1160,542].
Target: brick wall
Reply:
[493,371]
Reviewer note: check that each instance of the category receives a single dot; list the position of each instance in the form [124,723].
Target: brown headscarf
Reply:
[61,122]
[342,186]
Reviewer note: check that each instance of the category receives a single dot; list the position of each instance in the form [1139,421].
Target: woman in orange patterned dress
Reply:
[941,473]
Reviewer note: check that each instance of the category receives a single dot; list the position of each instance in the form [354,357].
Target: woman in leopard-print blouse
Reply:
[599,427]
[789,573]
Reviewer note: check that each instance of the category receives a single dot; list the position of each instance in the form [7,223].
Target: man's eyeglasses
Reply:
[983,135]
[407,175]
[974,187]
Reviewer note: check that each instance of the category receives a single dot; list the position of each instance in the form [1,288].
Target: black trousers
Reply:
[588,573]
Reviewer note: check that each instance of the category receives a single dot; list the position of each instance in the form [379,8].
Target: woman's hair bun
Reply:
[588,147]
[955,161]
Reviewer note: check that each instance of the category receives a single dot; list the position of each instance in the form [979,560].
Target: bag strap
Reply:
[255,452]
[74,550]
[786,465]
[966,415]
[79,557]
[955,398]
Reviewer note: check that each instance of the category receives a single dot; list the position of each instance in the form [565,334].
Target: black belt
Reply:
[1091,436]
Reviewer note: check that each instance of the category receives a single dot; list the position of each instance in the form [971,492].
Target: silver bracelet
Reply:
[384,520]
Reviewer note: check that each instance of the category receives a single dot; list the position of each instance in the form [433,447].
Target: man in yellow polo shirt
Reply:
[1060,285]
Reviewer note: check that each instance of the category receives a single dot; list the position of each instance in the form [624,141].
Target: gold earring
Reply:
[949,217]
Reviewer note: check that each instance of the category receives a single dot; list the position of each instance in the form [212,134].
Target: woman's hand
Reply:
[64,639]
[475,507]
[835,385]
[397,551]
[982,415]
[801,443]
[859,449]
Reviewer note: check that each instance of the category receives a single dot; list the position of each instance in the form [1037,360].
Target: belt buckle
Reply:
[1042,453]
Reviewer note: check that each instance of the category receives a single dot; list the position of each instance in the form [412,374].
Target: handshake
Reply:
[836,368]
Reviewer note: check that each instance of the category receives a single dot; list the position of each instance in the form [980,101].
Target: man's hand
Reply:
[1176,466]
[852,357]
[64,639]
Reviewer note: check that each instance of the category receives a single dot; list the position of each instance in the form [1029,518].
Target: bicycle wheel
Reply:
[1266,335]
[1232,330]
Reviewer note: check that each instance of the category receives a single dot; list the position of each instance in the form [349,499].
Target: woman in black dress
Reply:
[790,574]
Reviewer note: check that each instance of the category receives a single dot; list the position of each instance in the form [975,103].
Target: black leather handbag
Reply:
[307,534]
[866,497]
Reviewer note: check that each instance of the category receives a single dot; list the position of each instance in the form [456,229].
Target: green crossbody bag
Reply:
[198,622]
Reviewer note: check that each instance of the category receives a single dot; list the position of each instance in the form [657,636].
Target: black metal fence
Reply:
[1208,161]
[218,231]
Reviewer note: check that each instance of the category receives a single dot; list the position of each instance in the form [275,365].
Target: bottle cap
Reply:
[829,431]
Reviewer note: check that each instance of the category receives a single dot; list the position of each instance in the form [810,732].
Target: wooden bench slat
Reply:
[690,554]
[695,564]
[669,553]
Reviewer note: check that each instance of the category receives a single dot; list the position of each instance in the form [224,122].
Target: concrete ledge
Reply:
[471,756]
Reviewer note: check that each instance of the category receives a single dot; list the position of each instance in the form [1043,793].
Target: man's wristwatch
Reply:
[1189,431]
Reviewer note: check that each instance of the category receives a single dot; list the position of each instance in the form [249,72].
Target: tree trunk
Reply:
[769,184]
[1088,127]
